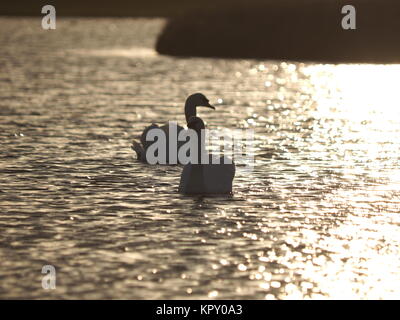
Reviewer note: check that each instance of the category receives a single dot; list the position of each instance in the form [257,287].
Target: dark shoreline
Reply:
[297,30]
[102,8]
[308,30]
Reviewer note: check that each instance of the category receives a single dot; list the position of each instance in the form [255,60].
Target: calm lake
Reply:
[318,217]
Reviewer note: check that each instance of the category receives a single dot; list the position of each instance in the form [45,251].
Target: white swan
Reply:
[191,104]
[206,178]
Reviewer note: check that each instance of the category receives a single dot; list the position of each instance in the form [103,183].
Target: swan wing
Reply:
[145,143]
[137,147]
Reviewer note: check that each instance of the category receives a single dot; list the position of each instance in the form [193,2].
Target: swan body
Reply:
[207,178]
[216,177]
[191,104]
[141,148]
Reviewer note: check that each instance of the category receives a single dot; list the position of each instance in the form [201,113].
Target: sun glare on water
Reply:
[358,107]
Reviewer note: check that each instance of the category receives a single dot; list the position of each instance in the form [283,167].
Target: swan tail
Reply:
[137,147]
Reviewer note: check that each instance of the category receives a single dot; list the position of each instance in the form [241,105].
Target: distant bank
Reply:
[105,8]
[301,30]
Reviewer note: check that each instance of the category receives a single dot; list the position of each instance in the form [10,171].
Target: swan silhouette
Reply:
[192,102]
[211,178]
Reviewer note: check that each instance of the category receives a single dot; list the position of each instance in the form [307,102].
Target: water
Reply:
[318,217]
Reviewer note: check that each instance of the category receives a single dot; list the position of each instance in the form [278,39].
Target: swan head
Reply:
[196,124]
[193,101]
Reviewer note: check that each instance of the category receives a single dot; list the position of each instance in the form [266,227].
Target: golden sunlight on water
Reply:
[317,217]
[358,92]
[359,106]
[364,102]
[136,52]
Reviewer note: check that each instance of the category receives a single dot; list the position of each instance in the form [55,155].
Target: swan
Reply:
[206,178]
[192,102]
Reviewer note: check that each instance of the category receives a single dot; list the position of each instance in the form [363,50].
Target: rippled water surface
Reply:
[318,217]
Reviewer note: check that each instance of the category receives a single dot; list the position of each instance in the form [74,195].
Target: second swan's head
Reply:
[196,124]
[193,101]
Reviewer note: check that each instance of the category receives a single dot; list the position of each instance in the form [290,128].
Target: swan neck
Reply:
[190,110]
[201,148]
